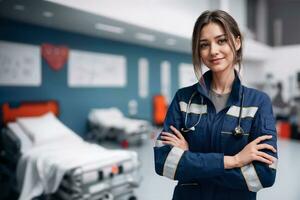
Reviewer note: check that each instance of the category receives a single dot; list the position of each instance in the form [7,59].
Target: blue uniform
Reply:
[200,171]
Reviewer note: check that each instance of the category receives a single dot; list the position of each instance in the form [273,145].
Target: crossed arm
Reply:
[251,152]
[252,169]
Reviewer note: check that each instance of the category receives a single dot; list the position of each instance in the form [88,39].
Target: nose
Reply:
[214,49]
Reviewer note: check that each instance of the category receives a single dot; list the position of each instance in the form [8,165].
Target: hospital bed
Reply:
[110,123]
[46,152]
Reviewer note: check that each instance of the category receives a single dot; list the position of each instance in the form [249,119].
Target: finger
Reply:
[262,138]
[169,143]
[266,156]
[166,138]
[266,146]
[168,134]
[262,159]
[178,134]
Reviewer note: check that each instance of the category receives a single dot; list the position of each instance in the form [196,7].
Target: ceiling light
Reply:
[109,28]
[145,37]
[19,7]
[171,41]
[48,14]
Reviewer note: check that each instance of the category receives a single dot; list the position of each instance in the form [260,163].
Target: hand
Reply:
[250,153]
[176,139]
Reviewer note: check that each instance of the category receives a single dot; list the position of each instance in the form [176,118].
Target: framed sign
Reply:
[20,64]
[89,69]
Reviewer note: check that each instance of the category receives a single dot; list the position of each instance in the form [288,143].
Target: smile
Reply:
[216,60]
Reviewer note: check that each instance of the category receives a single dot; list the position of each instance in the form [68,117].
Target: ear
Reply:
[237,43]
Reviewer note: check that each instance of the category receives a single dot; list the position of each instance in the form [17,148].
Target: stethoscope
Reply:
[238,130]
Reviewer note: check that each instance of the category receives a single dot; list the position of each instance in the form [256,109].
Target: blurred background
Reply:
[113,66]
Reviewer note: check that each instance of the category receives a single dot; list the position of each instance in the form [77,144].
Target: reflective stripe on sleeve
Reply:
[274,164]
[172,161]
[251,178]
[246,112]
[159,143]
[194,108]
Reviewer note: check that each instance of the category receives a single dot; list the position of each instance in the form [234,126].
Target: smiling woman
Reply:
[214,49]
[227,147]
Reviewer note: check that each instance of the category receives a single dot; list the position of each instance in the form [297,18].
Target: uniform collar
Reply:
[204,85]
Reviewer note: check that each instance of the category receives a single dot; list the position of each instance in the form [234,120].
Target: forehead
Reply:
[211,30]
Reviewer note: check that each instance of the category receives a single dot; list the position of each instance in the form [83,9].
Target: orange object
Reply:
[160,108]
[284,129]
[28,109]
[114,169]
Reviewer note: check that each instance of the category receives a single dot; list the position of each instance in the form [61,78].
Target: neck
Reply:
[222,81]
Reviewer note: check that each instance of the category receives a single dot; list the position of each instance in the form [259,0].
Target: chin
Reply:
[218,68]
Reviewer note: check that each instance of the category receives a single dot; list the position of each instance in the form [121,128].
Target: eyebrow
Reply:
[218,36]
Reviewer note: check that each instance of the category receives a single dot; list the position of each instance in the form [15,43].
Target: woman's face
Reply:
[215,51]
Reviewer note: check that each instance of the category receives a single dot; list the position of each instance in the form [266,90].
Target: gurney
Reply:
[89,171]
[110,123]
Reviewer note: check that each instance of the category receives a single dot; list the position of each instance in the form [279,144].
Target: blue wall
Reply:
[75,103]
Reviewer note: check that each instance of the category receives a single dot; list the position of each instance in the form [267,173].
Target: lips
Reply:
[216,60]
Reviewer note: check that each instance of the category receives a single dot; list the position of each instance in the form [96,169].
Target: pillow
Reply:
[44,128]
[109,117]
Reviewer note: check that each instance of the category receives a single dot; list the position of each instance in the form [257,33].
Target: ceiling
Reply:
[164,24]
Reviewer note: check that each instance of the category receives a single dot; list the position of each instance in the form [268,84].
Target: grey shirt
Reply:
[219,100]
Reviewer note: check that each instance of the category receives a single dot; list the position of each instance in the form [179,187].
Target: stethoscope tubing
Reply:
[237,132]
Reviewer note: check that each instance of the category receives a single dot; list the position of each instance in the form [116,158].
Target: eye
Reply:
[222,41]
[203,45]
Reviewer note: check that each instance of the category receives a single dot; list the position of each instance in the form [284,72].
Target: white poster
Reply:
[20,64]
[89,69]
[186,74]
[165,79]
[143,77]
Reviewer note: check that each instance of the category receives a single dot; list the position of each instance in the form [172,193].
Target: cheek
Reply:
[204,56]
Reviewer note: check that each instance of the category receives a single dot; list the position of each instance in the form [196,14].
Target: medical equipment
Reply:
[238,130]
[191,128]
[110,123]
[96,172]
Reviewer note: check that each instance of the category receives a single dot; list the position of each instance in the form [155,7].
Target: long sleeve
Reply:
[256,175]
[187,166]
[174,163]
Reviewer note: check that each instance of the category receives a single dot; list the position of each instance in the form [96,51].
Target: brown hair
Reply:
[230,27]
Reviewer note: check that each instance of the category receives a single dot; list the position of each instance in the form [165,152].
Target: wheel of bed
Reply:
[67,166]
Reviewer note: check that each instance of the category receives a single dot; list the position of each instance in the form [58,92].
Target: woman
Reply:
[219,137]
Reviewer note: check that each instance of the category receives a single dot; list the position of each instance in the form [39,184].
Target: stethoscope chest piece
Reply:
[238,132]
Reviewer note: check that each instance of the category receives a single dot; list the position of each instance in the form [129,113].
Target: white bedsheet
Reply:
[41,168]
[113,118]
[25,141]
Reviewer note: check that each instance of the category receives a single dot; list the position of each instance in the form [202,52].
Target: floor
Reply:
[287,185]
